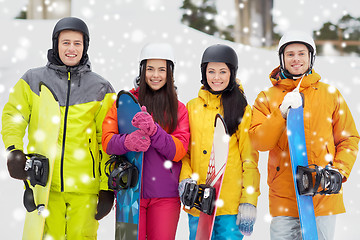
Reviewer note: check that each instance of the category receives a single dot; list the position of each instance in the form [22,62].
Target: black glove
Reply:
[16,164]
[105,203]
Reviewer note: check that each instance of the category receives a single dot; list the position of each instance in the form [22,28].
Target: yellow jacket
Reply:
[242,178]
[330,133]
[79,149]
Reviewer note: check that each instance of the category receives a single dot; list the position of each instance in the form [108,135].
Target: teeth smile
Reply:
[71,55]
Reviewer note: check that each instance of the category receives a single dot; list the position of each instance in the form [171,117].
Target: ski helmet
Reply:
[296,37]
[219,53]
[70,23]
[155,51]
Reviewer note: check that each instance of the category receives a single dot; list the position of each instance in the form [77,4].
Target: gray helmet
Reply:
[70,23]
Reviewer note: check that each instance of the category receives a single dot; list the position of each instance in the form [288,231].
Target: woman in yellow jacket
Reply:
[330,132]
[240,189]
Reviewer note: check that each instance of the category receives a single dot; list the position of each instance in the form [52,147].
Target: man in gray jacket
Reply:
[84,98]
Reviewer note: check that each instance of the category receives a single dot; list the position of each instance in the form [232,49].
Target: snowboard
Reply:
[215,175]
[46,144]
[298,156]
[128,201]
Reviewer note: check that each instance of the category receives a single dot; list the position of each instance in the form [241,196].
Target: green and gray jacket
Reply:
[84,98]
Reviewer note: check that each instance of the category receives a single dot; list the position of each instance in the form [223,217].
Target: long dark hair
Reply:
[233,99]
[163,103]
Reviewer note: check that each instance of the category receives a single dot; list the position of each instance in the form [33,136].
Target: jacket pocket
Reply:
[92,158]
[276,164]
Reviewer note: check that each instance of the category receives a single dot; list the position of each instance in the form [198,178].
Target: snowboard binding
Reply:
[310,178]
[121,173]
[37,168]
[202,197]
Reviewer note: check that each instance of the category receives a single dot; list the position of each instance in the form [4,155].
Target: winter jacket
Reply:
[158,181]
[330,132]
[84,98]
[242,179]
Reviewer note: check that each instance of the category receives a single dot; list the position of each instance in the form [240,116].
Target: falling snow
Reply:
[117,36]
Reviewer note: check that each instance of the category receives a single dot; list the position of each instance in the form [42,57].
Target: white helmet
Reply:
[157,51]
[296,37]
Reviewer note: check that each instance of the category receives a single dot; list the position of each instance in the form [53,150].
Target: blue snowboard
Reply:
[298,155]
[128,201]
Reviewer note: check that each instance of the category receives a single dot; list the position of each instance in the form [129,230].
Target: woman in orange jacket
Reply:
[330,132]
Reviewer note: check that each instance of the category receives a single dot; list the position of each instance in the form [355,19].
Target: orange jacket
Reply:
[330,133]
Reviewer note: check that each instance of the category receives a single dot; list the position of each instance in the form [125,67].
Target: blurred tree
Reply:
[344,35]
[21,15]
[200,15]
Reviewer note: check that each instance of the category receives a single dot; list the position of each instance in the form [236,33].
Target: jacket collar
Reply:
[290,84]
[209,98]
[79,69]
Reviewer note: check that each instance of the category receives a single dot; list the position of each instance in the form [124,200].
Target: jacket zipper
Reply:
[64,134]
[100,153]
[92,157]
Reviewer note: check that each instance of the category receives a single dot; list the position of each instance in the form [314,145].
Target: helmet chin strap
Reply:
[287,74]
[297,89]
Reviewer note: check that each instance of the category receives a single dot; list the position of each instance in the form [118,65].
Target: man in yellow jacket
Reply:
[330,132]
[84,98]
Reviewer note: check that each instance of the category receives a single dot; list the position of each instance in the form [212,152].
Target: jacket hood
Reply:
[53,57]
[81,68]
[289,84]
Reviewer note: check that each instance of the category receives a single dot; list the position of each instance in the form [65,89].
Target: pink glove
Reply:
[137,141]
[144,121]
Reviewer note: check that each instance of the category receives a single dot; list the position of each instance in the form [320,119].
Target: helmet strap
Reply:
[288,75]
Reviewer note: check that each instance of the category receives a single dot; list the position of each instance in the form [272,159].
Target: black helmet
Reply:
[70,23]
[220,53]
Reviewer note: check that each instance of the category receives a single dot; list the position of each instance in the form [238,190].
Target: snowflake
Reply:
[85,178]
[195,176]
[168,164]
[250,190]
[219,203]
[137,35]
[70,181]
[267,218]
[79,154]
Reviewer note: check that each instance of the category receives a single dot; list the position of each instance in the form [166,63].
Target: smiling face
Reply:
[155,75]
[70,47]
[296,58]
[217,75]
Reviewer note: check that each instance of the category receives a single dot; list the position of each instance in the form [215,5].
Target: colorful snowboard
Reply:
[215,173]
[46,144]
[297,147]
[128,201]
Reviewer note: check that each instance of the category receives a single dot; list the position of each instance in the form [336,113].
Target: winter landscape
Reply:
[119,29]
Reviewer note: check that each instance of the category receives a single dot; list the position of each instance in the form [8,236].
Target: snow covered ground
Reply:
[117,36]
